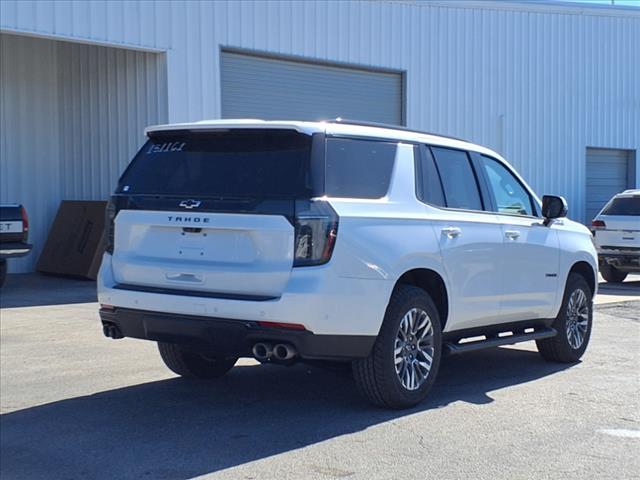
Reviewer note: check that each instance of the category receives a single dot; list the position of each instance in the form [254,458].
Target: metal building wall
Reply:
[29,140]
[72,116]
[107,97]
[538,83]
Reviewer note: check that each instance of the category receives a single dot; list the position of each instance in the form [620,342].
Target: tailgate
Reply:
[206,253]
[621,231]
[11,224]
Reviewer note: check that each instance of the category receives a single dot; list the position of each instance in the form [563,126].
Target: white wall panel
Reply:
[72,116]
[107,97]
[539,83]
[131,24]
[29,141]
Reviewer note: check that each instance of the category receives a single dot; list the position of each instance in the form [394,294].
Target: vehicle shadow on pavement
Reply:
[34,289]
[180,429]
[630,288]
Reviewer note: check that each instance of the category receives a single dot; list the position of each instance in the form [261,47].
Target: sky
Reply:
[622,3]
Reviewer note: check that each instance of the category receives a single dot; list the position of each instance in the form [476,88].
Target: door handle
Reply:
[451,232]
[512,234]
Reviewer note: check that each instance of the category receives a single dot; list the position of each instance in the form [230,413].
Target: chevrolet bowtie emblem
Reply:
[189,204]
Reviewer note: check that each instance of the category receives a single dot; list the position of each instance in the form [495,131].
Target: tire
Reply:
[3,271]
[193,365]
[564,347]
[376,376]
[612,274]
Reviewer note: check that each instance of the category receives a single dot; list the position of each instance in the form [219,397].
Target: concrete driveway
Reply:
[77,405]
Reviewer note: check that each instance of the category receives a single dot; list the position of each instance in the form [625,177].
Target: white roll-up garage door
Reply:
[607,174]
[268,88]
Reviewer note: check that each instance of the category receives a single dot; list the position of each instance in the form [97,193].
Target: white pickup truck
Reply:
[14,233]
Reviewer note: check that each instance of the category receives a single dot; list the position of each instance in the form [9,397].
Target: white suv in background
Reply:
[336,242]
[616,231]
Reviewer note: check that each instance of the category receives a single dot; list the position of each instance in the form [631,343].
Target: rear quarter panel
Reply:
[382,239]
[382,250]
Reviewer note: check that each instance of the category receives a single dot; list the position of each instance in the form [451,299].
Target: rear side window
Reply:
[240,163]
[358,168]
[623,206]
[458,179]
[430,187]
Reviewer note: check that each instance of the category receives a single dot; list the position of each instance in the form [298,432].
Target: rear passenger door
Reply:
[470,237]
[530,256]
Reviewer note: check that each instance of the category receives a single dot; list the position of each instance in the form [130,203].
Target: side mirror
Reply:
[553,207]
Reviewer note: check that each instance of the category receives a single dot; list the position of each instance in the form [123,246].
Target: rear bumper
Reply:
[626,262]
[325,302]
[14,249]
[230,337]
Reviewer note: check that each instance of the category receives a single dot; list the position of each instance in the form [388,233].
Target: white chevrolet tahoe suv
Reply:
[335,243]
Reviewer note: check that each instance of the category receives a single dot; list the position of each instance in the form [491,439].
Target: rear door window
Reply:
[458,179]
[358,168]
[225,164]
[623,206]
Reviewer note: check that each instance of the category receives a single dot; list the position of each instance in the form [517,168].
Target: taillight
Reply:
[109,226]
[316,229]
[598,225]
[25,224]
[291,326]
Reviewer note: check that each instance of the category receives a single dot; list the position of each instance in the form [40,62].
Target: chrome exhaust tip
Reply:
[262,351]
[283,352]
[111,331]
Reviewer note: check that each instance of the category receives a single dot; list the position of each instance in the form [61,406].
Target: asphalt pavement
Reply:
[76,405]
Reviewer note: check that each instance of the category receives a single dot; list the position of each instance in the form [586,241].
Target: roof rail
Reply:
[390,126]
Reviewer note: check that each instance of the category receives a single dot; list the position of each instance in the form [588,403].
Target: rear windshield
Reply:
[240,163]
[623,206]
[259,164]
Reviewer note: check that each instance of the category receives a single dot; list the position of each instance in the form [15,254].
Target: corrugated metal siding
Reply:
[29,141]
[538,83]
[126,23]
[107,97]
[72,117]
[268,88]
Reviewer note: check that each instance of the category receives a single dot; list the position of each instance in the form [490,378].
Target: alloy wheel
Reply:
[577,318]
[414,349]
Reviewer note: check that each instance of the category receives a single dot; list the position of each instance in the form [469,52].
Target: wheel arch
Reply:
[586,271]
[432,282]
